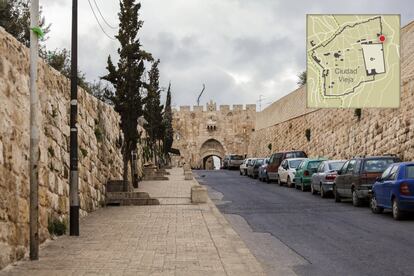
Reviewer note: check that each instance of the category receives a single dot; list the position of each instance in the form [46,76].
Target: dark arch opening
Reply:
[209,162]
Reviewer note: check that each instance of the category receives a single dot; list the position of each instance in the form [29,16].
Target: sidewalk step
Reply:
[130,198]
[134,202]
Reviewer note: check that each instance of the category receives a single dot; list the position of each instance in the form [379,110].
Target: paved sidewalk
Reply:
[171,239]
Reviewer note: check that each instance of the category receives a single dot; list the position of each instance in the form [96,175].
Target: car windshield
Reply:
[236,157]
[294,163]
[296,154]
[336,166]
[410,172]
[377,165]
[259,162]
[313,165]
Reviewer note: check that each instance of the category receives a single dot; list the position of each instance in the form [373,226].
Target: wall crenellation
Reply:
[224,108]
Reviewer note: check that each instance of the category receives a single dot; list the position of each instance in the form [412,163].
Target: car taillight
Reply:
[330,177]
[404,189]
[306,173]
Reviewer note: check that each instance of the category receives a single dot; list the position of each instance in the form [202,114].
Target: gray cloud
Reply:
[240,48]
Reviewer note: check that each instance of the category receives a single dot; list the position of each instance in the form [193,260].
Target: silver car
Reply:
[323,180]
[262,170]
[243,167]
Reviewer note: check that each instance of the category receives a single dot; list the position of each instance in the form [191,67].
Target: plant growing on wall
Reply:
[308,134]
[358,113]
[269,146]
[127,77]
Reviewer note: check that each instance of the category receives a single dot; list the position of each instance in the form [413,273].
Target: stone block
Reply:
[188,175]
[199,194]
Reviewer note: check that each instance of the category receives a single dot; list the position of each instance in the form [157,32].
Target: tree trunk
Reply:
[125,172]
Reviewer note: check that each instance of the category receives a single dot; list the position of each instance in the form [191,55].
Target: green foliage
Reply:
[56,227]
[153,110]
[51,151]
[302,78]
[101,91]
[126,77]
[308,134]
[15,19]
[269,146]
[61,61]
[84,152]
[98,134]
[167,122]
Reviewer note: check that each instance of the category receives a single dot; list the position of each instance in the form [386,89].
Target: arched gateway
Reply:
[200,133]
[210,148]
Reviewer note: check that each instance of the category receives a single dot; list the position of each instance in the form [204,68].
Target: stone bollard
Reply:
[188,175]
[199,194]
[187,168]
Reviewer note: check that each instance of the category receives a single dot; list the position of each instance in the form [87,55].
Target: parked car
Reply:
[263,171]
[357,176]
[243,167]
[394,190]
[305,171]
[232,161]
[249,166]
[323,180]
[277,158]
[287,170]
[253,170]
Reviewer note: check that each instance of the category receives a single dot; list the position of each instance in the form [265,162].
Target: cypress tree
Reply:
[153,111]
[167,122]
[127,77]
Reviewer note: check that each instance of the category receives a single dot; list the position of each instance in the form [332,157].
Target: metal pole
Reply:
[74,195]
[34,134]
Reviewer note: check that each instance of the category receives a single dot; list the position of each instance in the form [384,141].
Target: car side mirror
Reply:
[379,179]
[339,172]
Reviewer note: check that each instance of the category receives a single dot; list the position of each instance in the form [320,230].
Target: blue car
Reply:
[394,190]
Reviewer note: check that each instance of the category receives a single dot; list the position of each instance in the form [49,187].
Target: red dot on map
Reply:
[382,38]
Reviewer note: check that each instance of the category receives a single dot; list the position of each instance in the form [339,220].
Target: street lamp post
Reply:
[74,178]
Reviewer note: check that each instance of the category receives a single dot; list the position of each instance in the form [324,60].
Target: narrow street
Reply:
[294,232]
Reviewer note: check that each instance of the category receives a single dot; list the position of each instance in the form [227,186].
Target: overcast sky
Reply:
[240,49]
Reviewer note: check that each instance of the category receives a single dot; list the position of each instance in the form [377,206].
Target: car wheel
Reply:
[396,212]
[267,179]
[323,194]
[374,205]
[355,199]
[279,181]
[241,173]
[336,195]
[313,190]
[289,182]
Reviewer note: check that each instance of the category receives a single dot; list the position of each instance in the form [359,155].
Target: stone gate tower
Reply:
[201,133]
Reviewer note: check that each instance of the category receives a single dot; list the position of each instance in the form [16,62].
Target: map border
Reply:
[354,14]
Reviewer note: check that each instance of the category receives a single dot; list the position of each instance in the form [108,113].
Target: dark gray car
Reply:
[322,181]
[253,169]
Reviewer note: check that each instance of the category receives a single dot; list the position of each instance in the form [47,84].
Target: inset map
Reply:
[353,61]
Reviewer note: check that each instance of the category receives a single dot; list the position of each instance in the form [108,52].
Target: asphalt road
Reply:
[308,235]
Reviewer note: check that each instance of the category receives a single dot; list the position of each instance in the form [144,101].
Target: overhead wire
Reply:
[103,18]
[99,23]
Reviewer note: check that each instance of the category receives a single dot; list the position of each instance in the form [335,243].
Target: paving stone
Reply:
[175,239]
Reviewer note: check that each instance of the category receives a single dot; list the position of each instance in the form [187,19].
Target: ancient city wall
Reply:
[338,133]
[99,156]
[201,132]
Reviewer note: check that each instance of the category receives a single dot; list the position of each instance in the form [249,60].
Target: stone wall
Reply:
[200,133]
[338,133]
[99,156]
